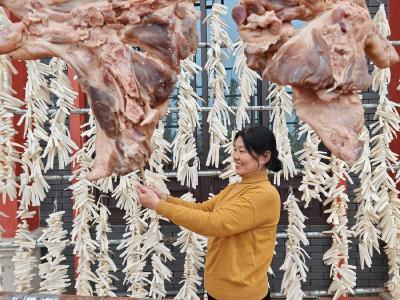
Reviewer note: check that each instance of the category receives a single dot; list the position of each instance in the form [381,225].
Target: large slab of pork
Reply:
[324,62]
[128,90]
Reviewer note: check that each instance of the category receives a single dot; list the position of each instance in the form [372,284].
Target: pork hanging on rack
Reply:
[324,62]
[127,89]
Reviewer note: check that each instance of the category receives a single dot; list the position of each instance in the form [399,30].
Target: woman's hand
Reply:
[147,197]
[160,194]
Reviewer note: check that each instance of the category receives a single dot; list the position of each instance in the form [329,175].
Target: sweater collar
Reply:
[255,177]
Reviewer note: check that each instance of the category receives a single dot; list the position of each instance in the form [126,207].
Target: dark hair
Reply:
[259,139]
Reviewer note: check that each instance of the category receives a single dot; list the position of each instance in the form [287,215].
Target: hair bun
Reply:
[274,165]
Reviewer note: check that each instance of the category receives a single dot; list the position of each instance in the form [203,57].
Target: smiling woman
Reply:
[254,149]
[241,221]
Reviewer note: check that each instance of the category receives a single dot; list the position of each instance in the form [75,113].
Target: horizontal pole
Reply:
[312,293]
[206,45]
[168,174]
[319,293]
[200,173]
[115,242]
[173,109]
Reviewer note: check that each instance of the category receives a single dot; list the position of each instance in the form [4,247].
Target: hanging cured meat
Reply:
[127,89]
[324,62]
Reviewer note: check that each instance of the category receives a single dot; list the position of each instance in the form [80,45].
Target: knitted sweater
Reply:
[241,223]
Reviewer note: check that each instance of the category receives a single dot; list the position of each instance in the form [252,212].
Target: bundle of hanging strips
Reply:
[24,260]
[337,257]
[59,142]
[218,117]
[314,176]
[282,106]
[314,169]
[86,213]
[8,151]
[52,271]
[184,154]
[153,245]
[194,246]
[133,253]
[367,197]
[247,88]
[384,161]
[247,83]
[106,266]
[37,100]
[294,266]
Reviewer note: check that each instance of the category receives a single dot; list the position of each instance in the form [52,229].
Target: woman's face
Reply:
[245,163]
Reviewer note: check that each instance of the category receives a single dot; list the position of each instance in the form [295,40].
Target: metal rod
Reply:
[206,45]
[318,293]
[167,174]
[115,242]
[309,235]
[173,109]
[200,173]
[312,294]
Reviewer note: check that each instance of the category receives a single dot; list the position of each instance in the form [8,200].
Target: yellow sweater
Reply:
[241,225]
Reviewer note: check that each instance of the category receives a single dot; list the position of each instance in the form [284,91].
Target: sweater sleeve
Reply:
[234,217]
[267,209]
[206,206]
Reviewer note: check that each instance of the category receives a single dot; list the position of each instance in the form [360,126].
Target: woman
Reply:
[241,221]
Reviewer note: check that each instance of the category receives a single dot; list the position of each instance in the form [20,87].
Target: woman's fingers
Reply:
[143,189]
[147,197]
[159,193]
[156,191]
